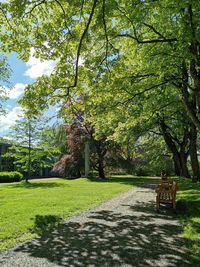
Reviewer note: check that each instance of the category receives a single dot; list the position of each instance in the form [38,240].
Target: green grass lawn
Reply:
[188,208]
[28,209]
[25,209]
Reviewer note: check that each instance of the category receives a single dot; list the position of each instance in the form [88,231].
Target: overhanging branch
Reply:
[35,5]
[154,30]
[64,13]
[166,40]
[80,44]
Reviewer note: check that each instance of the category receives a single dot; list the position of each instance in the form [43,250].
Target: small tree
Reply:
[29,152]
[70,165]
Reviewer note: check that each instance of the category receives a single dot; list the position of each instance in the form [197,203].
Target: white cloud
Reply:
[37,68]
[10,118]
[17,90]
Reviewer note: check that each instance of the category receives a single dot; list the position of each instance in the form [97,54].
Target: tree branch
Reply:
[166,40]
[64,13]
[105,31]
[145,90]
[80,44]
[81,12]
[36,5]
[154,30]
[135,78]
[137,94]
[156,133]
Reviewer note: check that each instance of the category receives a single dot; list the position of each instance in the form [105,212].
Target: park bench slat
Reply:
[166,194]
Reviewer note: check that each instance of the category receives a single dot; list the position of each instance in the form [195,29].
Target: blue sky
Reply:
[23,73]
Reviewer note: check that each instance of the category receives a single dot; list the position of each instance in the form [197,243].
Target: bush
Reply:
[142,171]
[9,177]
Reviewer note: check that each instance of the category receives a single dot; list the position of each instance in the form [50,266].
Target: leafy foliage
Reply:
[72,164]
[131,64]
[9,177]
[5,73]
[29,154]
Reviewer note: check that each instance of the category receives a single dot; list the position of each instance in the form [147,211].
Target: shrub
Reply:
[68,167]
[9,177]
[141,170]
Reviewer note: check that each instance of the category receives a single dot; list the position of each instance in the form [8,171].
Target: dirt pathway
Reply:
[125,231]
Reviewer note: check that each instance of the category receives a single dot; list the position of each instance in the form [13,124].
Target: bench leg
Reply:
[174,205]
[157,204]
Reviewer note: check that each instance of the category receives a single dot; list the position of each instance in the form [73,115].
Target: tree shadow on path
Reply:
[132,235]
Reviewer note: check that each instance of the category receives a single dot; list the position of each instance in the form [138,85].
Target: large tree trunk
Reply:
[172,147]
[101,151]
[184,168]
[193,153]
[179,156]
[191,73]
[177,166]
[101,169]
[184,152]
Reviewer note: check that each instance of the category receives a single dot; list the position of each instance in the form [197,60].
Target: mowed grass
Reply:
[188,208]
[25,209]
[23,206]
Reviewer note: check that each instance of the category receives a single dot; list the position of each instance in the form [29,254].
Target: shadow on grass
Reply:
[35,185]
[130,180]
[188,206]
[189,215]
[187,184]
[44,223]
[107,238]
[189,198]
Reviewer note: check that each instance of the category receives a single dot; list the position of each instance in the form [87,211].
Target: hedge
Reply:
[9,177]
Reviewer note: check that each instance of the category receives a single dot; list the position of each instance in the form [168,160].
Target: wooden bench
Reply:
[166,194]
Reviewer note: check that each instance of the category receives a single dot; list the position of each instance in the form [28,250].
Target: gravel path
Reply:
[124,231]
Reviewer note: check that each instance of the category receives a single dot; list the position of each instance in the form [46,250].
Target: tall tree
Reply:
[158,31]
[146,48]
[29,153]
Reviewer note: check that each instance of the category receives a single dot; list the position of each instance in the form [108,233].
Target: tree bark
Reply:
[101,169]
[193,71]
[193,153]
[180,155]
[177,166]
[101,151]
[184,168]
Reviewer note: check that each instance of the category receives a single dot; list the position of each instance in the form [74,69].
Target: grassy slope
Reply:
[188,207]
[24,206]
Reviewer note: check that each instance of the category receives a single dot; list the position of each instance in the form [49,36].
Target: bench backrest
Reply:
[167,191]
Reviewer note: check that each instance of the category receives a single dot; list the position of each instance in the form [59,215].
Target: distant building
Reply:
[6,164]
